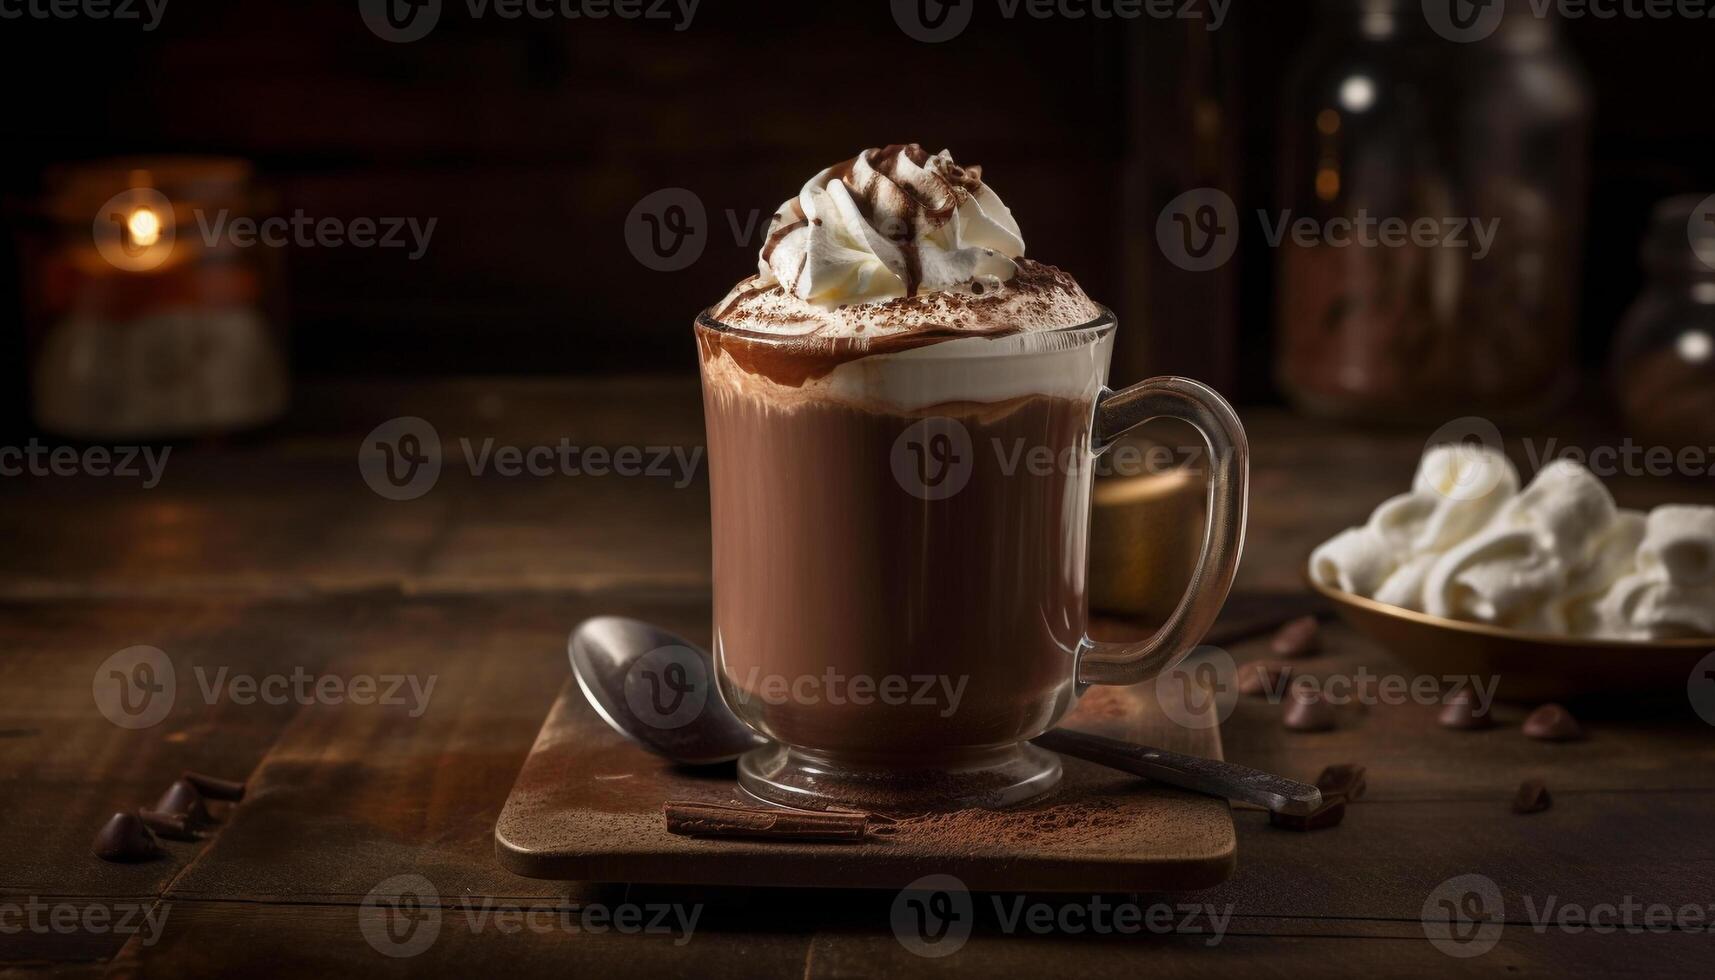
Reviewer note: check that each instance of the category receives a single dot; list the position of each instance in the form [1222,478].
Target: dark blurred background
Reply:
[531,141]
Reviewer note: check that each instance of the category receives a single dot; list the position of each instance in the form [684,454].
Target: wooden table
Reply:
[269,555]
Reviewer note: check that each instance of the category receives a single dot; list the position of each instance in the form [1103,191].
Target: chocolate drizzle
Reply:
[781,230]
[795,363]
[909,209]
[895,212]
[798,273]
[913,267]
[896,221]
[902,207]
[952,184]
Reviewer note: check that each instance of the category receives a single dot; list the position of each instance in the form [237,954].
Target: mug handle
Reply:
[1224,531]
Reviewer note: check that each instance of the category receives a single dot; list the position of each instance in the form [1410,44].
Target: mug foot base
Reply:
[991,780]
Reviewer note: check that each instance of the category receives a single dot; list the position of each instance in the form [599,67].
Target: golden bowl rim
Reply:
[1340,597]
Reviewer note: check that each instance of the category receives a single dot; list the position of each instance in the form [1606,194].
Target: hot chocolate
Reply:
[891,577]
[900,411]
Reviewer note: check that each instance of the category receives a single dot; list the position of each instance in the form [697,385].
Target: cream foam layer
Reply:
[981,370]
[1039,297]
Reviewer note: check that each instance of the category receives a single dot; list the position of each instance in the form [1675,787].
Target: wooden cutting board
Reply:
[587,807]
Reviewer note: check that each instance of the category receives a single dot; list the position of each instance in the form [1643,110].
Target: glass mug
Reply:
[900,551]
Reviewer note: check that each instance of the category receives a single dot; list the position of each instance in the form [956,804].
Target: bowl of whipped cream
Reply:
[1551,587]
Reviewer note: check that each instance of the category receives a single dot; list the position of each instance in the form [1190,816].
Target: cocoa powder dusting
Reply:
[1034,297]
[1062,824]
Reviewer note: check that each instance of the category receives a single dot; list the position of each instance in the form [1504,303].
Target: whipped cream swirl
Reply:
[886,224]
[1558,556]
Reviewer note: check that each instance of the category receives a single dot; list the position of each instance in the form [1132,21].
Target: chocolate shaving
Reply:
[168,825]
[1263,678]
[1346,781]
[1307,712]
[691,819]
[183,800]
[125,838]
[1460,712]
[1328,815]
[1299,638]
[213,787]
[1553,723]
[1532,797]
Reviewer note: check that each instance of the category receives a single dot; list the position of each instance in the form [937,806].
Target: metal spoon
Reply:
[657,689]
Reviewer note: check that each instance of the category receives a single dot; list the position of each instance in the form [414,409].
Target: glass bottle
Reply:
[1664,355]
[1468,161]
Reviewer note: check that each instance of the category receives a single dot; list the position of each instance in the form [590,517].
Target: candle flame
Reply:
[145,227]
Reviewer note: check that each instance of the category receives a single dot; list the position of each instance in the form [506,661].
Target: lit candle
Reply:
[138,330]
[145,227]
[134,230]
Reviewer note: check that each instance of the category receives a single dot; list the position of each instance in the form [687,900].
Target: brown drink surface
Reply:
[857,618]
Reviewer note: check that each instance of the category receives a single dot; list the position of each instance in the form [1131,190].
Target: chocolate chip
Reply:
[125,838]
[168,825]
[1307,712]
[1264,678]
[1461,711]
[1299,638]
[1532,797]
[1553,723]
[1328,815]
[213,787]
[1346,781]
[182,800]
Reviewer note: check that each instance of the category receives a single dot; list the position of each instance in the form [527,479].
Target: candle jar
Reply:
[142,323]
[1443,183]
[1664,355]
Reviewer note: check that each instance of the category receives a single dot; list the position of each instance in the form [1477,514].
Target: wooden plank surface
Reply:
[65,767]
[777,938]
[269,555]
[1647,745]
[291,515]
[361,794]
